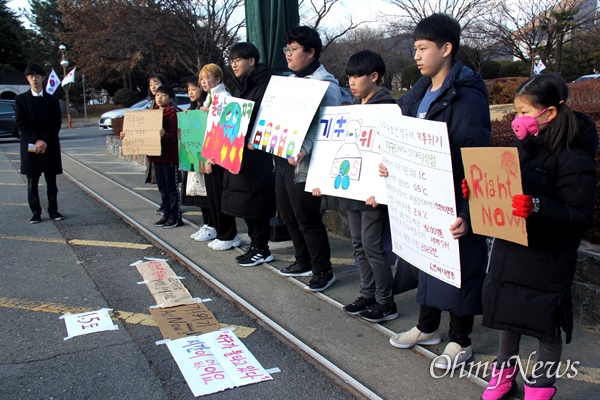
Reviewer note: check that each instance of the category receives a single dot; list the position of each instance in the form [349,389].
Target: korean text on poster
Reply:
[420,191]
[216,361]
[192,128]
[142,132]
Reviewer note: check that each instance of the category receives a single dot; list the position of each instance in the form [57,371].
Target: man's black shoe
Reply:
[161,222]
[173,223]
[56,216]
[296,269]
[321,281]
[35,219]
[254,257]
[359,305]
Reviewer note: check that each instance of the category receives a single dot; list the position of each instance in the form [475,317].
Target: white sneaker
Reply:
[208,233]
[212,243]
[193,235]
[408,339]
[453,356]
[227,244]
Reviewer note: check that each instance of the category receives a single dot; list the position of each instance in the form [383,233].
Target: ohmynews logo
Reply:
[481,369]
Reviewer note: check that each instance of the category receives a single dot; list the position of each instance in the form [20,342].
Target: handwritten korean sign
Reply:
[226,129]
[169,292]
[347,146]
[186,320]
[192,128]
[216,361]
[89,322]
[286,111]
[494,177]
[420,190]
[142,132]
[154,270]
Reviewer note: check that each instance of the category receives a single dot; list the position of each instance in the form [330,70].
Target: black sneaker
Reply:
[161,222]
[380,312]
[56,216]
[172,223]
[321,281]
[254,256]
[35,219]
[296,269]
[359,305]
[160,210]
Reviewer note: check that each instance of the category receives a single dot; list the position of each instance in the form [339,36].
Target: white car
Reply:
[105,122]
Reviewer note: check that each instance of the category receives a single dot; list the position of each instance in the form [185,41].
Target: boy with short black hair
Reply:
[167,164]
[299,210]
[452,93]
[38,118]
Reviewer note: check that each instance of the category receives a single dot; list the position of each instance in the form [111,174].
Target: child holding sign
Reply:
[369,221]
[528,289]
[452,93]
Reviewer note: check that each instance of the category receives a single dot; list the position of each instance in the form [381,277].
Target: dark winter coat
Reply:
[168,142]
[528,289]
[463,105]
[382,96]
[251,193]
[39,118]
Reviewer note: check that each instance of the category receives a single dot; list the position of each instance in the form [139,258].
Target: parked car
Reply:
[105,121]
[586,77]
[346,96]
[8,123]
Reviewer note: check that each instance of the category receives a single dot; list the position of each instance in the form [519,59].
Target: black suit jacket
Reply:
[39,119]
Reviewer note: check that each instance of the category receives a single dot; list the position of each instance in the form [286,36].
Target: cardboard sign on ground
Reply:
[187,320]
[155,270]
[142,132]
[169,292]
[494,177]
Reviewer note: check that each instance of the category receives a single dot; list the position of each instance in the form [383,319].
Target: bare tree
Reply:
[314,13]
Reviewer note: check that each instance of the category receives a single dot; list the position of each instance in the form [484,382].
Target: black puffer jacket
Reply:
[251,193]
[528,289]
[463,105]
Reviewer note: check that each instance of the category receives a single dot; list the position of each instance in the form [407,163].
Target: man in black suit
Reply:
[38,118]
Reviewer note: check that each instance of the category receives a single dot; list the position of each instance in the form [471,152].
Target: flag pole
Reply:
[84,100]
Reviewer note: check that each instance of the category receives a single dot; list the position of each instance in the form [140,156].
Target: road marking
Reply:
[126,316]
[13,184]
[126,173]
[145,188]
[79,242]
[14,204]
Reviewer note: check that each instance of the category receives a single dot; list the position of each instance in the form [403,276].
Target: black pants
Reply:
[224,224]
[167,176]
[259,231]
[301,213]
[548,354]
[460,327]
[33,195]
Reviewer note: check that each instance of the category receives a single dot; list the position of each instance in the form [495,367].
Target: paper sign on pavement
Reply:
[89,322]
[216,361]
[187,320]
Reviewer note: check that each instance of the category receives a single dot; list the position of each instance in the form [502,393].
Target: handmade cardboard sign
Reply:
[286,111]
[169,292]
[420,192]
[494,177]
[142,132]
[186,320]
[216,361]
[192,128]
[226,129]
[347,147]
[154,270]
[89,322]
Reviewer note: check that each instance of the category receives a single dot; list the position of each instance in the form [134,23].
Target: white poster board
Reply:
[216,361]
[420,189]
[89,322]
[285,114]
[346,155]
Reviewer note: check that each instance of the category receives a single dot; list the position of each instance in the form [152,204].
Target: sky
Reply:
[360,10]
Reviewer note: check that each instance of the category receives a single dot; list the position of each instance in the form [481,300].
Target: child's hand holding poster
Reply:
[494,176]
[226,128]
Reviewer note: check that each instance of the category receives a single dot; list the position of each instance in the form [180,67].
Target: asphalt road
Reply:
[44,274]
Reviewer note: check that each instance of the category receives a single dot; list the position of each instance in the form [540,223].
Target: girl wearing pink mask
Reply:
[527,290]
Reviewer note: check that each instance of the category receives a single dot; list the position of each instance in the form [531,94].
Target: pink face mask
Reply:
[526,125]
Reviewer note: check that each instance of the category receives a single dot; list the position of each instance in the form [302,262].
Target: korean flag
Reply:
[53,82]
